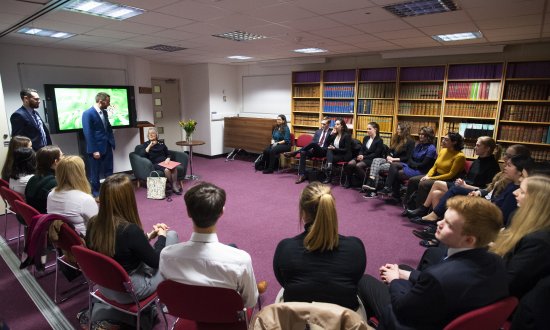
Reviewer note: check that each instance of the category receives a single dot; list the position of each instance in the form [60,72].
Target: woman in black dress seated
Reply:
[157,152]
[320,265]
[280,142]
[339,147]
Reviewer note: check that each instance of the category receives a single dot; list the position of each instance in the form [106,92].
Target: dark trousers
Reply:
[311,150]
[395,175]
[335,158]
[453,191]
[102,167]
[355,166]
[375,296]
[271,154]
[422,189]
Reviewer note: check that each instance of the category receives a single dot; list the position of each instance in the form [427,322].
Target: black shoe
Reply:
[418,212]
[290,154]
[301,178]
[327,180]
[370,185]
[391,200]
[268,171]
[347,182]
[178,192]
[429,243]
[405,213]
[423,235]
[386,191]
[420,221]
[370,195]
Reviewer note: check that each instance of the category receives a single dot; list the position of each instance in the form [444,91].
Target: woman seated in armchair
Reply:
[157,152]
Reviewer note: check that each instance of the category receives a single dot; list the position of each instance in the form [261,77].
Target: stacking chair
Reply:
[105,271]
[67,238]
[491,317]
[202,307]
[302,141]
[9,196]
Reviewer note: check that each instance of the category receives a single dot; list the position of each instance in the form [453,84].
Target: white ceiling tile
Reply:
[382,26]
[531,37]
[362,16]
[273,30]
[153,40]
[174,34]
[338,32]
[279,13]
[146,4]
[10,19]
[78,18]
[449,28]
[311,23]
[238,22]
[25,8]
[92,39]
[509,22]
[125,26]
[61,26]
[378,45]
[438,19]
[507,9]
[158,19]
[194,11]
[331,6]
[360,38]
[400,34]
[203,29]
[111,33]
[416,42]
[524,30]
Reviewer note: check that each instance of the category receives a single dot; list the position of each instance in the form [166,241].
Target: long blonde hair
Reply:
[317,206]
[117,206]
[532,216]
[70,174]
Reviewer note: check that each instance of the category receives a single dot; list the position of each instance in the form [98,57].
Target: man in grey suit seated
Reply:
[469,277]
[317,148]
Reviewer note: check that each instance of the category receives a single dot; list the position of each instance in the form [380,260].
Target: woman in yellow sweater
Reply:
[448,166]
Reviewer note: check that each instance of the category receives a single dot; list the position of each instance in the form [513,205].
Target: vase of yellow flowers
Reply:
[189,127]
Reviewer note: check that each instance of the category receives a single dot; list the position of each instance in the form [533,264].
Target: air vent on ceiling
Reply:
[239,36]
[165,48]
[421,7]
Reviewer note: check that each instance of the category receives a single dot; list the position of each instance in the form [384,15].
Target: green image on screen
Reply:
[72,102]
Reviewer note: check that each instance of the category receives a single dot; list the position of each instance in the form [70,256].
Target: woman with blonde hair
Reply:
[319,264]
[525,244]
[72,197]
[117,232]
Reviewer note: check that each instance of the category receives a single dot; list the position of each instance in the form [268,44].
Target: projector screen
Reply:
[267,94]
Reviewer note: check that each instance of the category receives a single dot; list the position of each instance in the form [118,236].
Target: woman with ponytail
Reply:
[319,264]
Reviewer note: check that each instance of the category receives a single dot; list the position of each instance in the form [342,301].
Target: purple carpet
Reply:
[260,211]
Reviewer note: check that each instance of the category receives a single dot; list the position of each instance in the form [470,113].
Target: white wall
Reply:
[138,74]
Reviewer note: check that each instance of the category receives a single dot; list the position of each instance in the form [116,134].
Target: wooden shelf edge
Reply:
[525,122]
[524,142]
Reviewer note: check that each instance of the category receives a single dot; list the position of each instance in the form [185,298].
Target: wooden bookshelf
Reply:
[508,101]
[525,107]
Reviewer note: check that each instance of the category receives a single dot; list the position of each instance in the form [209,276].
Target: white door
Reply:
[4,132]
[167,109]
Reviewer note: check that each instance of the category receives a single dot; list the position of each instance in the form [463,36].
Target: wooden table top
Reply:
[190,143]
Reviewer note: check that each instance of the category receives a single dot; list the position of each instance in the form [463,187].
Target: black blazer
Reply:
[344,147]
[463,282]
[22,123]
[376,149]
[528,262]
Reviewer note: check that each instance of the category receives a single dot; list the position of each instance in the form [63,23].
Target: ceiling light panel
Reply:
[310,50]
[457,36]
[239,36]
[45,33]
[421,7]
[166,48]
[239,57]
[104,9]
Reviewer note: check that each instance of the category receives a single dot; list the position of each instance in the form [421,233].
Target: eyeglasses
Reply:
[34,98]
[445,138]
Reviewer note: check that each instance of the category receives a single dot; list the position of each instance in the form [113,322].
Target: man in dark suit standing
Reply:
[317,148]
[26,121]
[469,277]
[100,141]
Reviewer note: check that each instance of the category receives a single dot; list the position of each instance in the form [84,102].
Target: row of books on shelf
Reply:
[421,91]
[305,77]
[526,112]
[347,120]
[339,91]
[419,108]
[338,106]
[473,90]
[417,125]
[376,90]
[376,107]
[541,155]
[532,134]
[527,91]
[469,131]
[306,91]
[385,123]
[339,75]
[469,151]
[306,105]
[476,71]
[464,109]
[308,120]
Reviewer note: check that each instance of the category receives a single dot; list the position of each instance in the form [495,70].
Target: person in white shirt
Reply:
[72,197]
[203,260]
